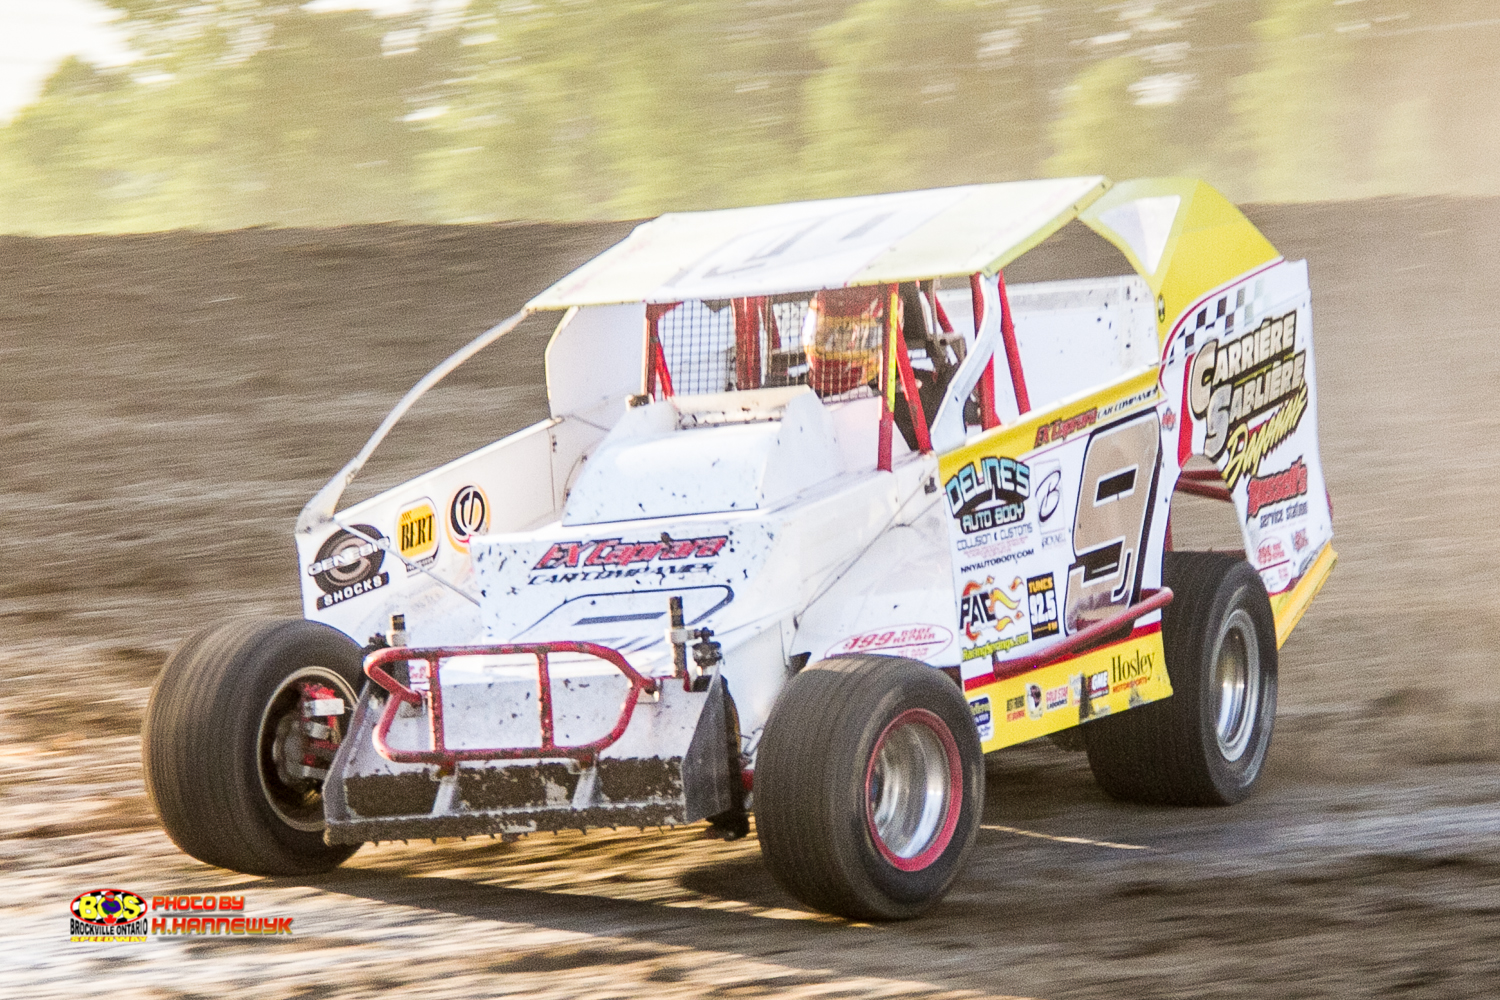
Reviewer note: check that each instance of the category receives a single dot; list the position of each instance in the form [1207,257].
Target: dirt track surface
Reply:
[167,403]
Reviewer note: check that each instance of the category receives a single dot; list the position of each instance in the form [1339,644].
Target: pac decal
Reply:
[986,611]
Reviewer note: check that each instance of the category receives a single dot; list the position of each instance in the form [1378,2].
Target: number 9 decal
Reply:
[1114,508]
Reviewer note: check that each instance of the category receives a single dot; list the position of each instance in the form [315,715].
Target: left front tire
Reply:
[869,784]
[240,730]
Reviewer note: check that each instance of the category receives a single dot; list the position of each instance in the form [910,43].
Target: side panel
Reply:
[1061,695]
[1240,368]
[897,600]
[1055,523]
[355,579]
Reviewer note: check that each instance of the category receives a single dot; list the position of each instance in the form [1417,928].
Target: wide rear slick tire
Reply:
[1205,745]
[869,785]
[230,754]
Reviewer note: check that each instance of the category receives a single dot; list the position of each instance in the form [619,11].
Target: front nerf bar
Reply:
[585,753]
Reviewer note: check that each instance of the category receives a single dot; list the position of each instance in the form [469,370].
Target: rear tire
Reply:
[1204,745]
[869,785]
[225,744]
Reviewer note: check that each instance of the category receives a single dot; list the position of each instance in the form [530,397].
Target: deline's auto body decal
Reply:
[988,494]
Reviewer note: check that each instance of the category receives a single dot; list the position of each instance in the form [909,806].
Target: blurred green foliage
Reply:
[245,112]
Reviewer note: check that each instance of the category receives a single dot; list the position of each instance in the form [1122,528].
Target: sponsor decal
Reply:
[614,552]
[468,515]
[989,494]
[1130,671]
[1015,708]
[1048,494]
[1169,420]
[996,547]
[1034,701]
[1099,684]
[987,607]
[1270,553]
[980,709]
[1128,403]
[1236,382]
[1059,697]
[914,641]
[107,916]
[1059,430]
[1299,540]
[348,565]
[1041,598]
[1263,491]
[416,533]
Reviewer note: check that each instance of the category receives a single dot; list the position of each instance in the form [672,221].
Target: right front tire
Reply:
[869,784]
[1204,745]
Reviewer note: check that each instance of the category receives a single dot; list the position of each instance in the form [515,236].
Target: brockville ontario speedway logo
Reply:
[106,916]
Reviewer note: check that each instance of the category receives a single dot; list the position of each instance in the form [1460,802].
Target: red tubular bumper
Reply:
[440,754]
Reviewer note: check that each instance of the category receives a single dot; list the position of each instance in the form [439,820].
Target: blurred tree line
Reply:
[244,112]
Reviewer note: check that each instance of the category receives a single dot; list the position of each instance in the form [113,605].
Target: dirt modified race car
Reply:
[823,512]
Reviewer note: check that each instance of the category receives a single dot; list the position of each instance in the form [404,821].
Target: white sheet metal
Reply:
[804,246]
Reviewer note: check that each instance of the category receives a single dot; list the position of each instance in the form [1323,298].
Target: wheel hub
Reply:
[1236,684]
[913,789]
[300,731]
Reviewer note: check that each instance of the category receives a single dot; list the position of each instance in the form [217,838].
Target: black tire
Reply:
[854,729]
[215,744]
[1205,745]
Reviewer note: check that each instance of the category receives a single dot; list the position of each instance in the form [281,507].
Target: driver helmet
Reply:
[842,335]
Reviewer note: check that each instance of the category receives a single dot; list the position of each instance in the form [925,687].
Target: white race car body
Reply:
[1021,550]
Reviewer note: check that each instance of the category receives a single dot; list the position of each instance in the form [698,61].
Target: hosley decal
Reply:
[614,552]
[1126,672]
[990,494]
[1234,382]
[1278,486]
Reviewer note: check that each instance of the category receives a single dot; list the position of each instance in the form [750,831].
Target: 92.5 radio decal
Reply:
[1041,601]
